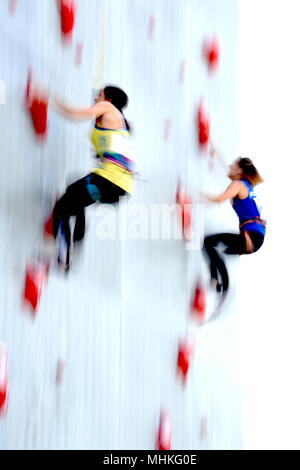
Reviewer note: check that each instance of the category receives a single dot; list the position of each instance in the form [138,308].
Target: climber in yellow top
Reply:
[114,174]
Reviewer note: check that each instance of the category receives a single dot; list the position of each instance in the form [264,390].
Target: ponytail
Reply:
[118,98]
[128,127]
[249,171]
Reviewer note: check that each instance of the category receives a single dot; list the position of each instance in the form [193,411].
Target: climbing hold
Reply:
[167,129]
[180,193]
[203,429]
[185,355]
[186,209]
[78,55]
[211,53]
[151,27]
[48,227]
[164,437]
[203,127]
[182,71]
[199,303]
[35,278]
[3,379]
[39,115]
[67,15]
[37,105]
[12,6]
[60,370]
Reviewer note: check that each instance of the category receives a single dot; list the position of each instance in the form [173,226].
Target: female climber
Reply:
[113,175]
[244,177]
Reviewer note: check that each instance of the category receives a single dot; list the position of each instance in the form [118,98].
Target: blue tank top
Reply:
[249,211]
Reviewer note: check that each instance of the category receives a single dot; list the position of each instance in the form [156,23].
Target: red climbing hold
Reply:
[37,105]
[60,369]
[78,56]
[186,209]
[39,115]
[185,354]
[203,429]
[35,278]
[167,129]
[151,27]
[48,227]
[3,379]
[67,14]
[179,193]
[203,126]
[199,302]
[211,53]
[12,6]
[164,437]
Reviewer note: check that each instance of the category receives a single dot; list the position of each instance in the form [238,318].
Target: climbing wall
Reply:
[96,363]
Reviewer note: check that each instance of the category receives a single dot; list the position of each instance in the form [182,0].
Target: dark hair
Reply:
[249,171]
[118,98]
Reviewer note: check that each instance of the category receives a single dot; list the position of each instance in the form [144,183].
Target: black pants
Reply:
[235,244]
[84,192]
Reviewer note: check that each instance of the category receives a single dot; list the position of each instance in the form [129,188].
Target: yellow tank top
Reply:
[114,151]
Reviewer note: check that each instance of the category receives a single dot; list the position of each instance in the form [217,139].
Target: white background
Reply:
[269,102]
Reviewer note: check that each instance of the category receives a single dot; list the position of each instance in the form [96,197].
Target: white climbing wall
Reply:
[116,320]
